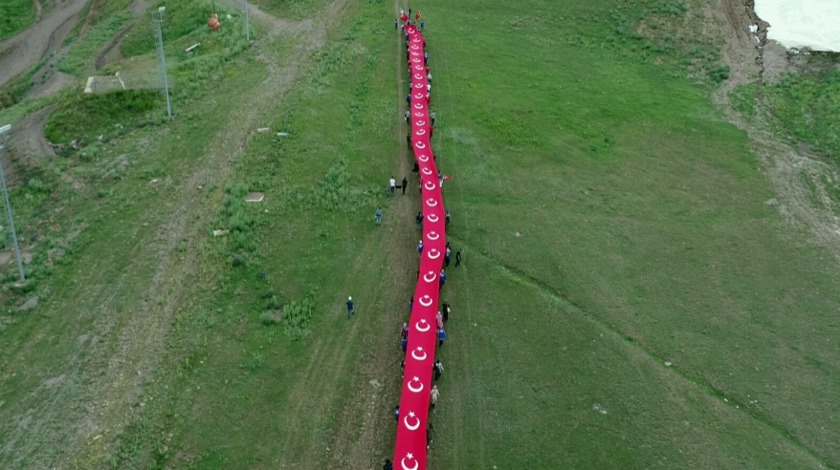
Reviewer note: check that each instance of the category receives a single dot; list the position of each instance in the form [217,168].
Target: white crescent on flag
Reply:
[420,145]
[418,354]
[421,123]
[430,276]
[410,458]
[420,132]
[418,106]
[425,300]
[427,171]
[422,326]
[432,218]
[432,235]
[423,158]
[431,202]
[434,254]
[429,185]
[412,427]
[415,389]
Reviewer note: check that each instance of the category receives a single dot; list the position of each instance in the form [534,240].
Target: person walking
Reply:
[435,394]
[445,309]
[438,368]
[392,185]
[439,319]
[447,257]
[378,216]
[458,258]
[396,25]
[442,278]
[404,184]
[351,309]
[433,115]
[420,248]
[441,337]
[408,140]
[422,25]
[397,412]
[404,331]
[448,216]
[411,305]
[404,343]
[430,435]
[388,465]
[407,116]
[419,219]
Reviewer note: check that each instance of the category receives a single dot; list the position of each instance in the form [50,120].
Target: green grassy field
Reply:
[628,299]
[18,15]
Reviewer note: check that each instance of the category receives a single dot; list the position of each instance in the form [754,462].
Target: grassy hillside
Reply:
[628,298]
[649,309]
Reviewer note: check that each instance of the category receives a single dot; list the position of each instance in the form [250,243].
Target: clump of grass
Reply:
[83,118]
[17,14]
[719,73]
[297,316]
[270,319]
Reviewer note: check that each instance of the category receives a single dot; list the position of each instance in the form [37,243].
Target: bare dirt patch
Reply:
[26,49]
[29,145]
[799,177]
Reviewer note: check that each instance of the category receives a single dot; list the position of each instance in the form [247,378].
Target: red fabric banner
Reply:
[410,450]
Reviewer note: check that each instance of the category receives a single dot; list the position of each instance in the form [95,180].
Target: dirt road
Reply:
[23,51]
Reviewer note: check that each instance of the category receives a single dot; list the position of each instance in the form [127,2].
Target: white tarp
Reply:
[802,23]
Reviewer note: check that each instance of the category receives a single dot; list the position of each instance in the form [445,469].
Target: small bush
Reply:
[719,73]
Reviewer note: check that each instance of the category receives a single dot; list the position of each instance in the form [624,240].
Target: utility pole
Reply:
[157,19]
[10,218]
[247,23]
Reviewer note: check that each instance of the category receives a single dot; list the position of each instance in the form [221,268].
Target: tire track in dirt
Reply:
[24,50]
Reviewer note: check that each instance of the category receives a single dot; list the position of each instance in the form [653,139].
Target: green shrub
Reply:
[85,117]
[719,73]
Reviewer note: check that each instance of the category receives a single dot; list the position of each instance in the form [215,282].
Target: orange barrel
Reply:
[213,23]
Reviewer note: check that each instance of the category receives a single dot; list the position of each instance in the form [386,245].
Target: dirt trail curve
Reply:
[24,50]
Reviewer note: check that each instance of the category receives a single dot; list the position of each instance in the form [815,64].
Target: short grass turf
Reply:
[613,222]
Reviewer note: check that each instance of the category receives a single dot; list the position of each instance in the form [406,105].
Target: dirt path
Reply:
[95,394]
[367,436]
[799,177]
[23,51]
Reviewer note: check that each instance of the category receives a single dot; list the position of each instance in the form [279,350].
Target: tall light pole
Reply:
[157,19]
[10,218]
[247,22]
